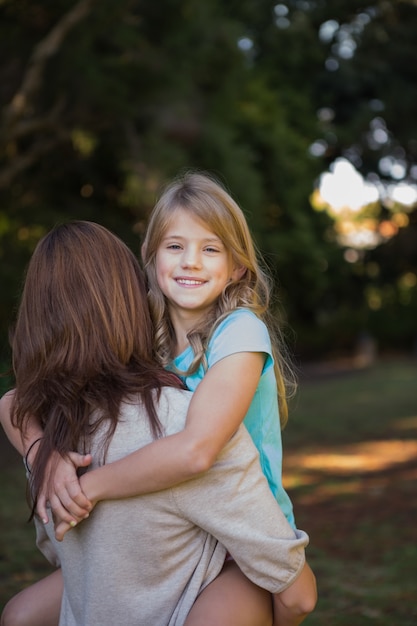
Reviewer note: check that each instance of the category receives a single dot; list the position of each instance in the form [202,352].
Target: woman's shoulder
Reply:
[174,393]
[173,407]
[174,397]
[171,404]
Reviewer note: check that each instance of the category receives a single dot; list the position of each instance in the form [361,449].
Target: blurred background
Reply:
[307,111]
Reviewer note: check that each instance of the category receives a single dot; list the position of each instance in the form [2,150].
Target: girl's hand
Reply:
[61,488]
[87,486]
[61,529]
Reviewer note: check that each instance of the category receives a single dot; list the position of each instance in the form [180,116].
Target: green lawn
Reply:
[351,470]
[20,562]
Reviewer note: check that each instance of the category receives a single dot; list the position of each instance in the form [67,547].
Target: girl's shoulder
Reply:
[239,331]
[241,319]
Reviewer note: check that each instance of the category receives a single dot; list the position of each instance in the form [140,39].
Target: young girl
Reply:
[209,300]
[82,356]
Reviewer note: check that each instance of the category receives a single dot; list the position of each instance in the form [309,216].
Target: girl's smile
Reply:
[189,282]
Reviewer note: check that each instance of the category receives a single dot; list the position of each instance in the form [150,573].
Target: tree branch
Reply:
[45,49]
[22,162]
[20,118]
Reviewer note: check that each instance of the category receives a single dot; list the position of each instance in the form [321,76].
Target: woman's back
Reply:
[123,566]
[143,561]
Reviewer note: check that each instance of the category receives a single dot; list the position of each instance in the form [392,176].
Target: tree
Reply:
[102,102]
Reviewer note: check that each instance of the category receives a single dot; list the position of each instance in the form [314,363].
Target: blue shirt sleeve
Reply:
[241,331]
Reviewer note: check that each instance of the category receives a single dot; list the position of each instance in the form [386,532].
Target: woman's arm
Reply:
[217,407]
[26,443]
[22,441]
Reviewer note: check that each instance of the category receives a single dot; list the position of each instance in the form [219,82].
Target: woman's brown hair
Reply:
[82,341]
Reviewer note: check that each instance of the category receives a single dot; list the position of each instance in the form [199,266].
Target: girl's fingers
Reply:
[62,529]
[41,509]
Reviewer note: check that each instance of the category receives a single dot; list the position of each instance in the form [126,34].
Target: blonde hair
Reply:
[203,197]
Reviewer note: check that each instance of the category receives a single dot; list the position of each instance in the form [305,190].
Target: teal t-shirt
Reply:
[243,331]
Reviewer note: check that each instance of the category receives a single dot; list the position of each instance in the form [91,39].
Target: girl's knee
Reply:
[15,613]
[231,599]
[36,605]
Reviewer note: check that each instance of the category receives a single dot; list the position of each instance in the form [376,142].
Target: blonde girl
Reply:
[209,300]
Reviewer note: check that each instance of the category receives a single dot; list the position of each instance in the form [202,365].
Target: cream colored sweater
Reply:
[143,561]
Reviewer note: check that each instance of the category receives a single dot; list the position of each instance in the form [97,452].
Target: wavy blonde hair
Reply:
[203,197]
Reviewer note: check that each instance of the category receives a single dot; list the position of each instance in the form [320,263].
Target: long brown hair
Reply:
[204,198]
[82,341]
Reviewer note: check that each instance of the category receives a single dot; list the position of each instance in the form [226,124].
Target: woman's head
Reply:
[83,339]
[83,304]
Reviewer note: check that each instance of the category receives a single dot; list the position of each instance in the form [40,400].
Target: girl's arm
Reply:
[217,407]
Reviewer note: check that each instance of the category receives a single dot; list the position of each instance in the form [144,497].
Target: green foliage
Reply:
[133,92]
[356,425]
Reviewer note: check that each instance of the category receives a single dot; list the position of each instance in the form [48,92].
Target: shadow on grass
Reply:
[350,466]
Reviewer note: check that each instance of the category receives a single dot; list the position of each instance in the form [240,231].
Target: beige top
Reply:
[142,561]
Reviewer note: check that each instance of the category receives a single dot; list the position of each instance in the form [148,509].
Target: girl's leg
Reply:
[37,605]
[231,600]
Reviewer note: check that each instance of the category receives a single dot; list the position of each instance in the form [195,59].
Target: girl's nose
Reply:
[191,258]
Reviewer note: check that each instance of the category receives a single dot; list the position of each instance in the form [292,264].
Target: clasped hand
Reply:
[62,492]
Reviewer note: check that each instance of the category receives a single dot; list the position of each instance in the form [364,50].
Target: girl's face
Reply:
[192,267]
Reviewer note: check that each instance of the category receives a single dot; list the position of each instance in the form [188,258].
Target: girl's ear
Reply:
[238,272]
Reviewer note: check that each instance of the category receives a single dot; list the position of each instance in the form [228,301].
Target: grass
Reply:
[20,562]
[350,468]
